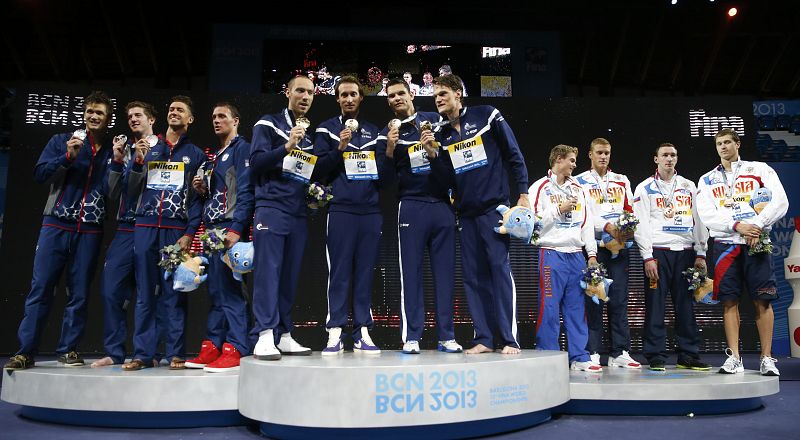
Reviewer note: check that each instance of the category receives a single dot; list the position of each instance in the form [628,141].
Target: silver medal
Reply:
[394,123]
[120,139]
[79,134]
[152,140]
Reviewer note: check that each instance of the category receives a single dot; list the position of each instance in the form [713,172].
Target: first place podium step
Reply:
[396,395]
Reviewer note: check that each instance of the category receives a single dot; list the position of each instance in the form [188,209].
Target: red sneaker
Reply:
[208,353]
[229,361]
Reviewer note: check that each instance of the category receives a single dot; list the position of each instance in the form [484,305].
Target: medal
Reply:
[79,134]
[303,122]
[351,124]
[728,202]
[668,212]
[394,123]
[425,125]
[152,140]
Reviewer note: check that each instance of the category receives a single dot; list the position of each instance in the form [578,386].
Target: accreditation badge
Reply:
[419,159]
[360,165]
[467,155]
[298,165]
[165,175]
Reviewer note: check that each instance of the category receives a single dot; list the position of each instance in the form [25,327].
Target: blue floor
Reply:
[776,420]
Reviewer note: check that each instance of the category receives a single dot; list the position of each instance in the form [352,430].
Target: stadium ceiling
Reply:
[691,48]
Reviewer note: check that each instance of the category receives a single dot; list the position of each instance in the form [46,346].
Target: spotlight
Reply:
[732,12]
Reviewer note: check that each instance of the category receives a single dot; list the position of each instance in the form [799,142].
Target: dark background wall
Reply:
[634,127]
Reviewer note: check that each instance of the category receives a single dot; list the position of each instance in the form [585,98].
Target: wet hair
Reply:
[147,108]
[99,97]
[232,108]
[559,151]
[184,99]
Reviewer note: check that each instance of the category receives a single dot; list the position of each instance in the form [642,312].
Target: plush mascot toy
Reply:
[761,197]
[518,222]
[704,294]
[189,275]
[597,291]
[239,258]
[612,244]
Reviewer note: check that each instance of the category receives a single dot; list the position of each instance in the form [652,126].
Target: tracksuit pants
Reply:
[560,293]
[151,291]
[279,240]
[619,332]
[353,241]
[488,283]
[432,226]
[671,281]
[228,314]
[56,249]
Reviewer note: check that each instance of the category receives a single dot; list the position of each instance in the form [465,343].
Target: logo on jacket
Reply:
[261,227]
[225,157]
[186,159]
[154,153]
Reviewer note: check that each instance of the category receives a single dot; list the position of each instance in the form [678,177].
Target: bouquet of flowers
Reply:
[213,240]
[627,223]
[701,285]
[763,246]
[595,284]
[318,195]
[759,201]
[171,257]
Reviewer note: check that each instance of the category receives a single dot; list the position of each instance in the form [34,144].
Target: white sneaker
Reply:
[768,367]
[365,345]
[411,347]
[265,347]
[450,346]
[290,347]
[587,366]
[624,360]
[334,346]
[595,358]
[733,364]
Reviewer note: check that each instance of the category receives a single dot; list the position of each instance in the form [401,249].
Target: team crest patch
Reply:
[154,153]
[749,169]
[225,157]
[186,159]
[247,163]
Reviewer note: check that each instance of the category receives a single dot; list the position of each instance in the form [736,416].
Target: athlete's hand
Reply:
[523,201]
[184,242]
[142,148]
[391,141]
[700,263]
[651,269]
[199,185]
[747,230]
[344,138]
[429,142]
[73,147]
[295,137]
[231,238]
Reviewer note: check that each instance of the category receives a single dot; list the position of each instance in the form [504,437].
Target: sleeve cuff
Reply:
[138,166]
[733,226]
[650,258]
[236,229]
[701,255]
[116,166]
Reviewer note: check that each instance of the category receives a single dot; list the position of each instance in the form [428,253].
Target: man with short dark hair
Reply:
[118,282]
[281,165]
[228,206]
[425,221]
[472,151]
[724,195]
[74,165]
[167,213]
[671,239]
[345,146]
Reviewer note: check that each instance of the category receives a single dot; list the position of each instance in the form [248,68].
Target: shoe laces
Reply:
[770,361]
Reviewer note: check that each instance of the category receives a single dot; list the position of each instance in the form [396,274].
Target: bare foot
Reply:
[508,349]
[106,361]
[478,349]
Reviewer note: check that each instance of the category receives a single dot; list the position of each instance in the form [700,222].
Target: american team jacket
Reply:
[682,229]
[78,187]
[161,208]
[569,232]
[473,161]
[745,179]
[415,182]
[230,190]
[618,197]
[267,155]
[356,196]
